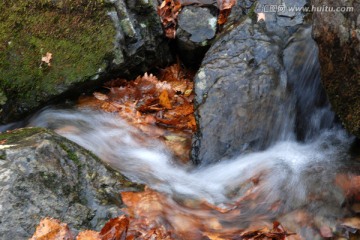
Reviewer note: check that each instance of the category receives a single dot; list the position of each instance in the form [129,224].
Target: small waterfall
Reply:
[311,107]
[291,175]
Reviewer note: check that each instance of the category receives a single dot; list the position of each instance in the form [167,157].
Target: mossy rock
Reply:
[87,39]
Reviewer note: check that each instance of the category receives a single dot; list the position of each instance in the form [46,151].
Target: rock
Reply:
[241,87]
[237,87]
[89,41]
[337,34]
[196,30]
[45,175]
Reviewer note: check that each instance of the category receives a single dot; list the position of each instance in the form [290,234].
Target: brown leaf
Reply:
[225,4]
[53,229]
[225,10]
[168,11]
[115,229]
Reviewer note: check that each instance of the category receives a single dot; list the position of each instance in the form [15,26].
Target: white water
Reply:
[283,166]
[290,172]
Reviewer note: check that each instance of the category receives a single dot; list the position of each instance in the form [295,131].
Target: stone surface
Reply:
[89,40]
[43,174]
[242,85]
[337,34]
[196,30]
[236,87]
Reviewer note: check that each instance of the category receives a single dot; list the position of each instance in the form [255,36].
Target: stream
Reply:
[293,176]
[297,180]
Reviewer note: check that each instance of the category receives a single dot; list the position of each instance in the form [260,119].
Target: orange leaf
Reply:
[49,228]
[115,229]
[164,100]
[88,235]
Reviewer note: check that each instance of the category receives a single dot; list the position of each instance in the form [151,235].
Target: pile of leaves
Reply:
[151,215]
[161,107]
[169,10]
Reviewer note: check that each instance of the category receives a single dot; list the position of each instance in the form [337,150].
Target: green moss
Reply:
[71,154]
[252,14]
[78,33]
[13,137]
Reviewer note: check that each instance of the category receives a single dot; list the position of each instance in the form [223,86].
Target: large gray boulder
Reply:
[45,175]
[89,40]
[241,86]
[337,34]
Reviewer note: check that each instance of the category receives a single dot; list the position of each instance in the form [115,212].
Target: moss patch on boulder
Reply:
[78,33]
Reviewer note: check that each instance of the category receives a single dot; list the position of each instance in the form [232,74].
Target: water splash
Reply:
[284,178]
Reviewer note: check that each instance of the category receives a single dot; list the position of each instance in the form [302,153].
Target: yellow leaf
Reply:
[164,100]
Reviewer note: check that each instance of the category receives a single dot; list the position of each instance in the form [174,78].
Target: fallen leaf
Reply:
[168,12]
[351,222]
[100,96]
[53,229]
[88,235]
[164,100]
[225,7]
[47,58]
[115,229]
[260,16]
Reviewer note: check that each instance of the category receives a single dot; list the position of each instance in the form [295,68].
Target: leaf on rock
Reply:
[225,7]
[53,229]
[47,58]
[260,16]
[115,229]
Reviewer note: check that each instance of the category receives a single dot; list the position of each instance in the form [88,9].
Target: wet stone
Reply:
[45,175]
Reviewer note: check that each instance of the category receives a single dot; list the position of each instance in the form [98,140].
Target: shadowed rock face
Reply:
[45,175]
[89,40]
[196,30]
[338,37]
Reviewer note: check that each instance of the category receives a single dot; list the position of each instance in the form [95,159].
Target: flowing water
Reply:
[290,179]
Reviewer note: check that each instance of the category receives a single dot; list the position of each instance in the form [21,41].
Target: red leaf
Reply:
[115,229]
